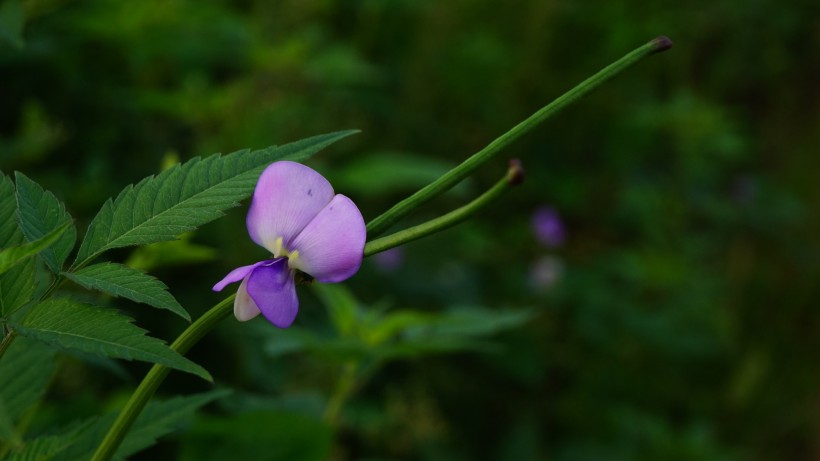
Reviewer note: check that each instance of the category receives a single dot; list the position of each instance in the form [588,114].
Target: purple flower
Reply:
[295,215]
[548,227]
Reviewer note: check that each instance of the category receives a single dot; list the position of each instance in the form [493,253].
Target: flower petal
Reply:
[272,289]
[330,247]
[244,308]
[235,275]
[287,197]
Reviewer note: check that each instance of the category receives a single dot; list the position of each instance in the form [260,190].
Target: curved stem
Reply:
[513,177]
[457,174]
[156,375]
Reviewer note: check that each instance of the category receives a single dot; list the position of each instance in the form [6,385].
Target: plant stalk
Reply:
[514,176]
[381,223]
[156,375]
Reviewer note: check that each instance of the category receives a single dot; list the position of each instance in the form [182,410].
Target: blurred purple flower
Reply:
[389,260]
[295,215]
[548,227]
[546,272]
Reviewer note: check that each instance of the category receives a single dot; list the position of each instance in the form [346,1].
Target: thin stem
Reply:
[155,376]
[344,389]
[514,176]
[380,224]
[7,340]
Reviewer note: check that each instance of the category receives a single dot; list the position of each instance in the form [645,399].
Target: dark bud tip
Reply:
[661,43]
[515,173]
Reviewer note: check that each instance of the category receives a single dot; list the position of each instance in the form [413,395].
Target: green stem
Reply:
[514,176]
[378,225]
[7,340]
[344,389]
[156,375]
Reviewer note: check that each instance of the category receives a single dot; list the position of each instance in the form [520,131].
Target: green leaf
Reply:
[157,420]
[45,448]
[174,253]
[10,257]
[386,172]
[186,196]
[12,20]
[25,371]
[463,329]
[123,281]
[10,233]
[40,213]
[343,308]
[16,285]
[70,324]
[7,433]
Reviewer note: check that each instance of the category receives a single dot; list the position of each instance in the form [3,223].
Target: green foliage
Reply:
[173,253]
[388,173]
[119,280]
[366,333]
[46,448]
[25,371]
[12,20]
[16,285]
[7,433]
[10,257]
[9,230]
[24,374]
[186,196]
[71,324]
[78,442]
[268,436]
[40,213]
[160,418]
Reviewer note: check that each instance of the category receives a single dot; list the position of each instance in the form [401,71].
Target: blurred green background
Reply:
[677,318]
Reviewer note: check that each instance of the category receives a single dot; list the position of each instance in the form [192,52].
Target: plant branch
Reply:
[514,176]
[148,386]
[381,223]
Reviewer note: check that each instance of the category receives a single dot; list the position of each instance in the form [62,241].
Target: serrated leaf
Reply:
[16,285]
[11,256]
[162,418]
[39,213]
[156,420]
[10,233]
[25,371]
[186,196]
[123,281]
[45,448]
[70,324]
